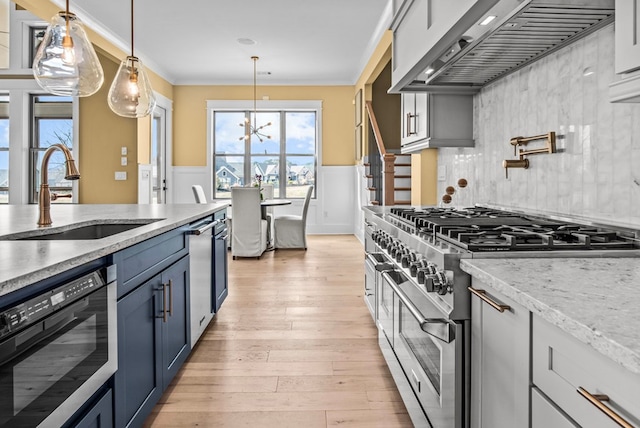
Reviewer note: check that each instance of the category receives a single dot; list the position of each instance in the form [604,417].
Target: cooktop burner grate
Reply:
[484,229]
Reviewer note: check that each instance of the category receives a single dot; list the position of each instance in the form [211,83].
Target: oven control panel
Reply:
[36,308]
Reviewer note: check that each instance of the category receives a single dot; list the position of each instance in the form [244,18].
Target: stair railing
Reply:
[384,169]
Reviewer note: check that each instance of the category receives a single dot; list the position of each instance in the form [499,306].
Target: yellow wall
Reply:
[424,177]
[102,134]
[386,107]
[375,66]
[190,118]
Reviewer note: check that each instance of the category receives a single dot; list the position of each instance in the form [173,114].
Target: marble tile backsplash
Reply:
[596,173]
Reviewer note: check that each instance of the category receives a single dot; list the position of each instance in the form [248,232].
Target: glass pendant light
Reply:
[131,94]
[66,63]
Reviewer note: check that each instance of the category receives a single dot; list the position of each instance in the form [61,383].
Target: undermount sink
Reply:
[84,231]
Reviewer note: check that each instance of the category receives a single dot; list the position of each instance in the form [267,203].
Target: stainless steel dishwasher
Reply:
[208,270]
[201,275]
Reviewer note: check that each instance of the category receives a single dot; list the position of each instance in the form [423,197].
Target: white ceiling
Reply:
[300,42]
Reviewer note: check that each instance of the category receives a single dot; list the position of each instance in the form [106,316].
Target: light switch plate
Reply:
[123,151]
[442,172]
[121,175]
[123,161]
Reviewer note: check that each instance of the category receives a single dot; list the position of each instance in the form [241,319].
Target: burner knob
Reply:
[431,282]
[401,251]
[442,286]
[408,259]
[422,275]
[392,248]
[391,243]
[382,239]
[413,268]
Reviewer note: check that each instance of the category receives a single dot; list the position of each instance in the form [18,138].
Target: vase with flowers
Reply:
[258,183]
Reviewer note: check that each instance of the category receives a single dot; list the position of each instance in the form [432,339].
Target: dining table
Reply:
[264,204]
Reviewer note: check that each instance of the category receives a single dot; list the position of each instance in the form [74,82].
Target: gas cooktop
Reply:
[485,229]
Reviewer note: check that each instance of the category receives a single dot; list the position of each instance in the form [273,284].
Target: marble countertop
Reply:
[25,262]
[596,300]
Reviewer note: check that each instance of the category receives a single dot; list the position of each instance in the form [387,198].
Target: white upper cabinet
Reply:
[424,29]
[627,35]
[433,120]
[627,49]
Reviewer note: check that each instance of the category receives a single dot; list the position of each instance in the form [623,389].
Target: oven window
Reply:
[52,359]
[422,346]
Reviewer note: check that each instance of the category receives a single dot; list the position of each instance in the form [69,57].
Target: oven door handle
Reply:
[440,328]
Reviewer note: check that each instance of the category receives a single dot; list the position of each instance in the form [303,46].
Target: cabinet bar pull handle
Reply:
[171,297]
[482,294]
[409,130]
[597,399]
[164,303]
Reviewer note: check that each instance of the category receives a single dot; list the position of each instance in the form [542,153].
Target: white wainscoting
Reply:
[145,187]
[362,199]
[186,176]
[334,210]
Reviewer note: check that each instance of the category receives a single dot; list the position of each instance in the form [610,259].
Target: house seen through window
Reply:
[52,124]
[285,158]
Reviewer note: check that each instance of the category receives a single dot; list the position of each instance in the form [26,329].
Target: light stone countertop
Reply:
[25,262]
[596,300]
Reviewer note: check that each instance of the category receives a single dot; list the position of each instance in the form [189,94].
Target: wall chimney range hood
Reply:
[522,32]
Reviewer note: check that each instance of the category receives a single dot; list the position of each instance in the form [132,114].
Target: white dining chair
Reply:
[267,193]
[249,234]
[291,230]
[198,193]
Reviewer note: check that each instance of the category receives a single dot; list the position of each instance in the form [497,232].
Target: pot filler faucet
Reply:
[71,173]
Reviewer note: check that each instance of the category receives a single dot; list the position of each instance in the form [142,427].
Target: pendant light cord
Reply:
[67,19]
[132,54]
[255,93]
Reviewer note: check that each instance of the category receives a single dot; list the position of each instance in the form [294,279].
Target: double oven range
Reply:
[420,298]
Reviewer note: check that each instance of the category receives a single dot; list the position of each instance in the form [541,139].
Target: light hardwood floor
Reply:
[293,346]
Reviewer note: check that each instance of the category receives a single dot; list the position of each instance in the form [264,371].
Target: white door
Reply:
[159,156]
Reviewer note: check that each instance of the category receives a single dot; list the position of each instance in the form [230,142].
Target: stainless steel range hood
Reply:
[522,32]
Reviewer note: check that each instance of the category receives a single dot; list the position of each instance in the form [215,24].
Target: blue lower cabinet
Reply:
[176,331]
[100,415]
[153,342]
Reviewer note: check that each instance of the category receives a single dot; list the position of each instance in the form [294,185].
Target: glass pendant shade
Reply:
[131,94]
[67,64]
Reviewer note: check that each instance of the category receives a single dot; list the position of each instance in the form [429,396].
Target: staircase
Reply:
[388,172]
[402,179]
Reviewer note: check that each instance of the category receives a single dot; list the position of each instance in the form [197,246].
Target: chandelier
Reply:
[252,128]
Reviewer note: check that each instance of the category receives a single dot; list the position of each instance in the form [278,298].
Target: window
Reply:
[286,157]
[4,148]
[52,124]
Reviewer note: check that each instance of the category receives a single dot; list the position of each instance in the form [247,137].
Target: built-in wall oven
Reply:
[57,348]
